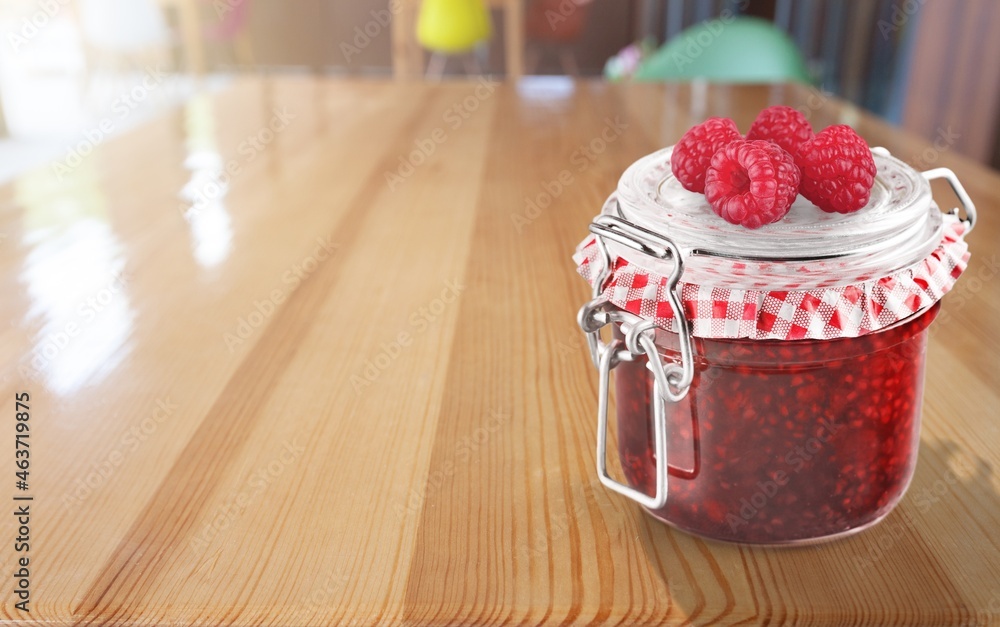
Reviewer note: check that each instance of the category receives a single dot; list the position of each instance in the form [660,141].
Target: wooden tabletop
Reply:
[347,384]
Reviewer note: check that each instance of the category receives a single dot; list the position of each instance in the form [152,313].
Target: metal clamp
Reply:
[671,381]
[674,380]
[610,356]
[963,197]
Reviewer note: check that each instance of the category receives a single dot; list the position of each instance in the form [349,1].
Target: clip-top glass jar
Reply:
[783,403]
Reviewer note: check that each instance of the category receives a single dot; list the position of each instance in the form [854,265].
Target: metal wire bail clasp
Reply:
[671,381]
[959,189]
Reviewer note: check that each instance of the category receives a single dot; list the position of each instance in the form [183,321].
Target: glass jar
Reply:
[765,418]
[781,441]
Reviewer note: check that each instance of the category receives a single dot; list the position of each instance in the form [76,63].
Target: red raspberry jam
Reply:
[782,441]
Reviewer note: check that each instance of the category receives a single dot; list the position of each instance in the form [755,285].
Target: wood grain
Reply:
[406,435]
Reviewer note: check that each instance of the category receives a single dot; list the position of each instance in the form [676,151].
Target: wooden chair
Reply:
[453,28]
[408,57]
[558,35]
[233,29]
[189,14]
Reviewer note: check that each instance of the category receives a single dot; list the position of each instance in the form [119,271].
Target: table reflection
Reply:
[204,193]
[75,275]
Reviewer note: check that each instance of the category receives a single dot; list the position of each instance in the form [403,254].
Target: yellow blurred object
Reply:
[452,26]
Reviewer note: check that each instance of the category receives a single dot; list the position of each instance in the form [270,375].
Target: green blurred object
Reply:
[737,50]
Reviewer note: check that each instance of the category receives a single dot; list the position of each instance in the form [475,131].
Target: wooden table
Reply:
[319,400]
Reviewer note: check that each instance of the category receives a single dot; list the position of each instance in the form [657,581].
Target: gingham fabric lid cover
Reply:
[826,275]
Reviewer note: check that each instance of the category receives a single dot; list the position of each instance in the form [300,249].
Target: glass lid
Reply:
[808,248]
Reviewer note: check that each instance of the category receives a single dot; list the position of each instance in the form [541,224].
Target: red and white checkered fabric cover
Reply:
[843,311]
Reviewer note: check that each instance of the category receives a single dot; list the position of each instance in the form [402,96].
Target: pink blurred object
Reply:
[231,23]
[557,21]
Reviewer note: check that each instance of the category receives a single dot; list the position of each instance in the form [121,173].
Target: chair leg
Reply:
[471,63]
[568,61]
[4,131]
[435,67]
[532,57]
[244,50]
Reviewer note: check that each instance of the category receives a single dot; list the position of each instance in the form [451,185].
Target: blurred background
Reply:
[102,66]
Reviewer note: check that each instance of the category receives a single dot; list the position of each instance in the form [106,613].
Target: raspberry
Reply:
[837,170]
[693,153]
[782,125]
[788,175]
[751,183]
